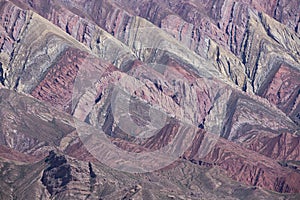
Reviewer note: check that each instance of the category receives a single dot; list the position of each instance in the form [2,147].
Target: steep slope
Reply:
[232,102]
[70,175]
[258,42]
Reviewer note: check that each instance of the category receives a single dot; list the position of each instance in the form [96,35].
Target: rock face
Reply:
[57,175]
[220,78]
[283,91]
[67,171]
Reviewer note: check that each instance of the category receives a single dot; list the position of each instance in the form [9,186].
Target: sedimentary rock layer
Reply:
[228,70]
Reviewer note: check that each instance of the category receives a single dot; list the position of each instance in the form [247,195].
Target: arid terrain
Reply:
[175,99]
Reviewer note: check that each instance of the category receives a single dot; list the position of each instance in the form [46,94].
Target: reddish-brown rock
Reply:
[283,91]
[219,44]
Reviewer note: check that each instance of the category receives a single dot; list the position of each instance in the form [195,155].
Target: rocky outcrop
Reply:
[241,164]
[213,26]
[65,174]
[57,175]
[13,22]
[57,85]
[283,91]
[227,69]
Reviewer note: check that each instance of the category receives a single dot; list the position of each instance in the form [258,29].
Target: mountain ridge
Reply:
[247,98]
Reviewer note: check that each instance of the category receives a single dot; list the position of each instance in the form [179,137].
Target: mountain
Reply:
[149,99]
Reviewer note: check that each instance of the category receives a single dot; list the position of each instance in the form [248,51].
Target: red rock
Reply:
[255,135]
[247,166]
[283,91]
